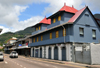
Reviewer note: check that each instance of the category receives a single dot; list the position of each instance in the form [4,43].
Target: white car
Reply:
[13,54]
[1,56]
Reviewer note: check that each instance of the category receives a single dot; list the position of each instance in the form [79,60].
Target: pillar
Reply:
[34,51]
[42,52]
[59,53]
[52,52]
[38,51]
[31,51]
[68,52]
[47,47]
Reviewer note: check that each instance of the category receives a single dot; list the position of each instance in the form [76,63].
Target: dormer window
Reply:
[54,20]
[59,18]
[36,28]
[39,27]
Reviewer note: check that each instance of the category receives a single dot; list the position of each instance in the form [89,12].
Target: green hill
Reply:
[19,34]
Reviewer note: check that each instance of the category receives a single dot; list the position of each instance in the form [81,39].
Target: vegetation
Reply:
[19,34]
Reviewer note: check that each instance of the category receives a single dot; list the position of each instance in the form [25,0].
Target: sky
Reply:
[17,15]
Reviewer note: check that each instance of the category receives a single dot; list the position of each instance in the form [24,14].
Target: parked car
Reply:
[1,56]
[13,54]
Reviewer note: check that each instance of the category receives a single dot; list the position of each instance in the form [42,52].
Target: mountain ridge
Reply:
[18,34]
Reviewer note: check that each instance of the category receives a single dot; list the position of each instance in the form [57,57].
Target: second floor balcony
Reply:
[52,41]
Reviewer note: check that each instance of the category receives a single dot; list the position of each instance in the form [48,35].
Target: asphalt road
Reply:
[22,62]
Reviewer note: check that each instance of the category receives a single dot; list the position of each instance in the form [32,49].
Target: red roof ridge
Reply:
[46,21]
[77,14]
[68,9]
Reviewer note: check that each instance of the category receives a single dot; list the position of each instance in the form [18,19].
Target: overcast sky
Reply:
[18,14]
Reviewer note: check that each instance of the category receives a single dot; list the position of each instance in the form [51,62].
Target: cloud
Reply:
[10,11]
[4,29]
[55,5]
[26,23]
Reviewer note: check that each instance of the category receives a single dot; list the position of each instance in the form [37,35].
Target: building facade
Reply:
[9,45]
[59,36]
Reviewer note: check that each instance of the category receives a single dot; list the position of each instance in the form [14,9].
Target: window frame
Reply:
[57,34]
[54,20]
[95,33]
[34,40]
[41,38]
[81,34]
[37,39]
[59,18]
[64,32]
[39,27]
[36,28]
[50,35]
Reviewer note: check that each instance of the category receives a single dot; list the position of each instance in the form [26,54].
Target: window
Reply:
[50,35]
[39,27]
[57,34]
[59,18]
[64,32]
[94,34]
[37,39]
[34,40]
[36,28]
[54,20]
[81,31]
[41,38]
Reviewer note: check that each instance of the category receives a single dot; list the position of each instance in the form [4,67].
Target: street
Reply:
[22,62]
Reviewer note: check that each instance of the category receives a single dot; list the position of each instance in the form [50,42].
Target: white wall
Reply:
[95,54]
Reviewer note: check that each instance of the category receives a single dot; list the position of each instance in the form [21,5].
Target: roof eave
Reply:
[51,28]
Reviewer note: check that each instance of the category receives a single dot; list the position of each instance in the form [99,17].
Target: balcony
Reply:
[52,41]
[23,46]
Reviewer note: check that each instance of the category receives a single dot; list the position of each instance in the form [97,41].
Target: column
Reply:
[68,52]
[39,52]
[59,53]
[34,51]
[52,52]
[47,47]
[31,51]
[42,52]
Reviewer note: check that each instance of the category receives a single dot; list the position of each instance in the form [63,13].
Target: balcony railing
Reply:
[52,41]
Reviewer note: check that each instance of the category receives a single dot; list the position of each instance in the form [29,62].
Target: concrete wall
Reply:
[95,53]
[82,53]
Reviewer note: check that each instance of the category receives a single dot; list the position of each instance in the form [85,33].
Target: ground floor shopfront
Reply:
[57,52]
[76,52]
[24,51]
[21,51]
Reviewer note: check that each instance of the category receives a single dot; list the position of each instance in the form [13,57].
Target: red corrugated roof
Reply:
[46,21]
[68,9]
[77,14]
